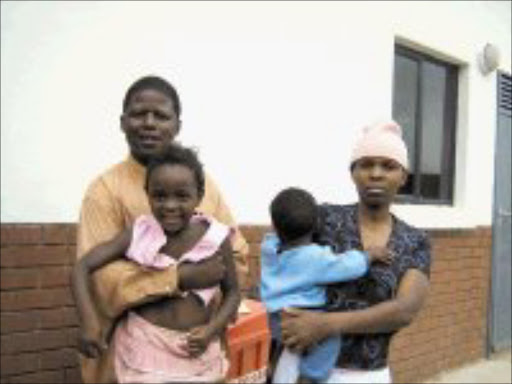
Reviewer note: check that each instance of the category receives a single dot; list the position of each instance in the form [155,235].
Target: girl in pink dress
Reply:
[174,339]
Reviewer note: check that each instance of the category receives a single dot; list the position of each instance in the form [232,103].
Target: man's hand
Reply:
[205,274]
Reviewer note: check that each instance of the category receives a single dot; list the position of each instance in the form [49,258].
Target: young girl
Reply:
[174,339]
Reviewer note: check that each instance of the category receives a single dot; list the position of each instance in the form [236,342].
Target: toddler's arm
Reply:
[379,254]
[200,337]
[92,341]
[350,265]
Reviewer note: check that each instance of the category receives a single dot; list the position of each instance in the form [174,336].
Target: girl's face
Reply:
[173,196]
[378,180]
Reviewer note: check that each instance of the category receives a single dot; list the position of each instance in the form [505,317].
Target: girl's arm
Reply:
[303,328]
[200,337]
[230,292]
[80,284]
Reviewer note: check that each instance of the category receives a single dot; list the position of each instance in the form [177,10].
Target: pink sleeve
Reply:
[147,239]
[210,243]
[207,247]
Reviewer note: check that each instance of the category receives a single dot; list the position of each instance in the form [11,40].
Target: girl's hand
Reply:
[198,339]
[91,342]
[301,329]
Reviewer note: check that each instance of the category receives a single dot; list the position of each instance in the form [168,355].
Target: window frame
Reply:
[447,175]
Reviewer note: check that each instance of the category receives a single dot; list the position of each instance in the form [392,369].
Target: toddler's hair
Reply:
[294,213]
[177,154]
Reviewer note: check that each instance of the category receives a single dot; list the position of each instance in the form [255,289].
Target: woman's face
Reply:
[173,196]
[378,180]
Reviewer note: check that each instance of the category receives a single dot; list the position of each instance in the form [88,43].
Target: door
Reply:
[500,315]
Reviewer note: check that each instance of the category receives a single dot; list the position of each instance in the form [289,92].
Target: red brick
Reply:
[55,233]
[71,255]
[11,278]
[29,256]
[72,232]
[20,234]
[19,321]
[38,340]
[59,358]
[18,342]
[45,377]
[51,339]
[35,298]
[57,318]
[54,276]
[21,363]
[72,375]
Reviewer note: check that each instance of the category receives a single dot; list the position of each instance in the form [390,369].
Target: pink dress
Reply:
[146,353]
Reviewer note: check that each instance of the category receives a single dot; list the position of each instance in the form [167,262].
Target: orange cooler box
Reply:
[249,343]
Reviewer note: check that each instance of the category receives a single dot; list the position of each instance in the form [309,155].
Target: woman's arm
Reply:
[303,328]
[200,337]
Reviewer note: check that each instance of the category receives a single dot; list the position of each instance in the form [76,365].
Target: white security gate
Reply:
[500,319]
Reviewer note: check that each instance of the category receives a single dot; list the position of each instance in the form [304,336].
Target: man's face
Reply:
[149,123]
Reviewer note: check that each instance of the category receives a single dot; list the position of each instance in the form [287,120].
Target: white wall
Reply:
[273,94]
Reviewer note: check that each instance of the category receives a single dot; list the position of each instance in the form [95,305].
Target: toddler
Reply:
[294,270]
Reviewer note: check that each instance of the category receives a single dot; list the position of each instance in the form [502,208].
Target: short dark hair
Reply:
[294,213]
[177,154]
[158,84]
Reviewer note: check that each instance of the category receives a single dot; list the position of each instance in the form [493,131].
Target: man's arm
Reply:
[119,284]
[122,284]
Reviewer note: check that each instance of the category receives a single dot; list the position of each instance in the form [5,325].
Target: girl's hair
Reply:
[177,154]
[158,84]
[294,213]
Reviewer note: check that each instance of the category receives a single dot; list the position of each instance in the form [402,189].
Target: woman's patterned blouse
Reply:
[338,228]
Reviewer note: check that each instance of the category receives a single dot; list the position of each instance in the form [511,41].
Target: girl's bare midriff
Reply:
[176,313]
[179,313]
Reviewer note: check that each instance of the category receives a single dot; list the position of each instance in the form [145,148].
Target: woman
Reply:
[367,312]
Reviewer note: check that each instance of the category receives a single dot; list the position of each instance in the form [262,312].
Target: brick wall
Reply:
[39,329]
[38,322]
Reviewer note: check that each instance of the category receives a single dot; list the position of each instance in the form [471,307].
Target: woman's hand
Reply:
[301,329]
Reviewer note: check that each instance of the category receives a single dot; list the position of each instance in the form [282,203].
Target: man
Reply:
[150,122]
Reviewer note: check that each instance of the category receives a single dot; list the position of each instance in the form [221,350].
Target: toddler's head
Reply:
[175,187]
[294,214]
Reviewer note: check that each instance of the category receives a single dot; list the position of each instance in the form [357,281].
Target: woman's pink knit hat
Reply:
[383,139]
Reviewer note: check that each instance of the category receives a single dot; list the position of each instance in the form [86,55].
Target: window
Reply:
[425,105]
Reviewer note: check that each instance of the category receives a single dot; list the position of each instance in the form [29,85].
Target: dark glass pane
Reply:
[433,95]
[404,108]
